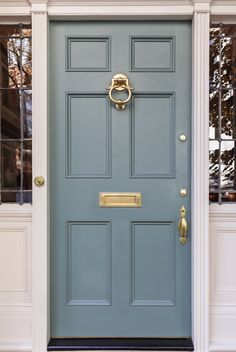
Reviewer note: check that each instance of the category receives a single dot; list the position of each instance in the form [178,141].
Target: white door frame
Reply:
[198,10]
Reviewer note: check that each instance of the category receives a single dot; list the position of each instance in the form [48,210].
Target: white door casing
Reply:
[200,13]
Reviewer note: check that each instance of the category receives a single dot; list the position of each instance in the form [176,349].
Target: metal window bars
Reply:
[15,114]
[222,129]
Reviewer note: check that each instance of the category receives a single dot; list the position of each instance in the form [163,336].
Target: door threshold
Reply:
[140,344]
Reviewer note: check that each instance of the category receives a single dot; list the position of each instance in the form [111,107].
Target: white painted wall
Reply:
[15,278]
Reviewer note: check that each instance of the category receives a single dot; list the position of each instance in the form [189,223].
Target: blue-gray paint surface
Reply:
[120,272]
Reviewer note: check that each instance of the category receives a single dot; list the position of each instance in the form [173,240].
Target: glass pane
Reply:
[9,30]
[214,56]
[228,150]
[27,31]
[213,197]
[27,166]
[228,196]
[26,62]
[214,165]
[27,197]
[228,113]
[9,197]
[214,115]
[228,58]
[10,165]
[27,112]
[10,114]
[10,49]
[228,30]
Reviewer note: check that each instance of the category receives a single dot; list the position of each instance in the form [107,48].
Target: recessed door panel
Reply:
[153,128]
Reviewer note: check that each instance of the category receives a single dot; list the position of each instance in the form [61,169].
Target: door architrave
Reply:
[199,11]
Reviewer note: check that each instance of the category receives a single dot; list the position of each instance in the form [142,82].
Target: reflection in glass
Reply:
[10,114]
[228,117]
[9,197]
[214,170]
[27,166]
[10,30]
[214,115]
[26,62]
[10,165]
[214,56]
[228,165]
[15,113]
[222,113]
[228,49]
[27,112]
[16,62]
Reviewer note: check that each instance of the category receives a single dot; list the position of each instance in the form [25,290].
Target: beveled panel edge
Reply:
[172,174]
[103,302]
[170,38]
[136,203]
[105,39]
[154,303]
[68,173]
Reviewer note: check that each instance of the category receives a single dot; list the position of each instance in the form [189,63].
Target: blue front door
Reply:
[118,268]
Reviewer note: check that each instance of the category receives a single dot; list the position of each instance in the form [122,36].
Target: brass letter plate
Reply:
[119,200]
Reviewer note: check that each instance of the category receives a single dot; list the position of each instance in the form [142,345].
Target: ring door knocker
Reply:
[120,82]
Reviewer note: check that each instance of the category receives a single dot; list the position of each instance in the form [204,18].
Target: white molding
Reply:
[16,334]
[15,212]
[39,8]
[116,11]
[40,238]
[223,319]
[200,233]
[226,210]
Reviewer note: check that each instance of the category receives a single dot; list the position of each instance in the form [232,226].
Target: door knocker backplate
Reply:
[120,82]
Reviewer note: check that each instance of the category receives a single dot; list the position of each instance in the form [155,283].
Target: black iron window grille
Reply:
[222,129]
[16,114]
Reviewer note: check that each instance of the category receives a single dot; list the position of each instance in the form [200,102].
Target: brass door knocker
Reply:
[120,82]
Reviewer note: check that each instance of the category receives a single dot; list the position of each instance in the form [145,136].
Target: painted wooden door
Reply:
[119,271]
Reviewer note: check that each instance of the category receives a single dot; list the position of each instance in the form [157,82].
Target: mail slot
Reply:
[120,200]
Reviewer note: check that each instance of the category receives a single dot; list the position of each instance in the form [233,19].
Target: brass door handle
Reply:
[183,225]
[120,82]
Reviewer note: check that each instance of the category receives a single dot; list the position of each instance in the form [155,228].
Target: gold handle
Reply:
[183,225]
[39,181]
[120,82]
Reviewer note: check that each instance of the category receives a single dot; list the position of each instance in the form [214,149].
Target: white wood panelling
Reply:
[222,277]
[13,254]
[15,278]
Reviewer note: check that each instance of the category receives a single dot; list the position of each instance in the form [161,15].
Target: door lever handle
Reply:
[183,225]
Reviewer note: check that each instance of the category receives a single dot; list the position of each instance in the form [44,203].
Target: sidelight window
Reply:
[222,130]
[15,114]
